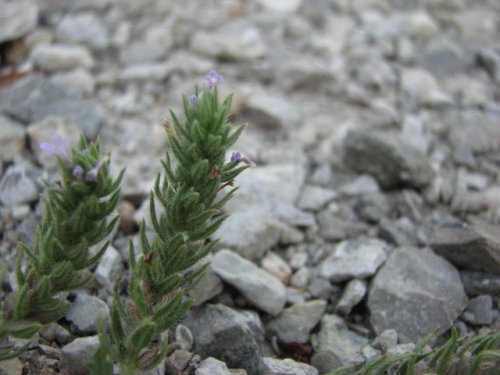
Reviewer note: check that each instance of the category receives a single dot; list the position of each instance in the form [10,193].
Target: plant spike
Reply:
[188,195]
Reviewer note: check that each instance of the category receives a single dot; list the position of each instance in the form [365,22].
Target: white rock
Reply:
[108,268]
[354,259]
[274,366]
[421,87]
[258,286]
[78,353]
[83,28]
[315,197]
[78,80]
[272,112]
[235,41]
[353,293]
[421,26]
[17,19]
[276,265]
[84,312]
[16,187]
[11,139]
[284,6]
[53,57]
[212,366]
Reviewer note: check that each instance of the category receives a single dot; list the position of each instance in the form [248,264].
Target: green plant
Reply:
[77,211]
[479,355]
[191,198]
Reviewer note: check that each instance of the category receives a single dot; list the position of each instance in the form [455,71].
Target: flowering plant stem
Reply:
[191,199]
[76,217]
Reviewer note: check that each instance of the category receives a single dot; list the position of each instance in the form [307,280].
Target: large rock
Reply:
[420,88]
[258,286]
[352,259]
[383,155]
[35,97]
[473,246]
[225,334]
[415,292]
[17,19]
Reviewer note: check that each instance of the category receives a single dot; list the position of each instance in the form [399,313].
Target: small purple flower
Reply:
[59,146]
[193,99]
[213,78]
[236,158]
[85,151]
[78,172]
[92,174]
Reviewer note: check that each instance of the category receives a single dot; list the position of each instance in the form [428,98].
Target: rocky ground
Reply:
[372,216]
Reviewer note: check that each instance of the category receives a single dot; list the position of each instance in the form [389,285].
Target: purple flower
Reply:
[92,174]
[236,158]
[85,151]
[59,146]
[213,78]
[193,99]
[78,172]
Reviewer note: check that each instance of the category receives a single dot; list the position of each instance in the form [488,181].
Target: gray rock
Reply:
[339,343]
[250,232]
[16,187]
[489,58]
[473,246]
[472,131]
[177,362]
[183,337]
[224,333]
[277,266]
[234,41]
[481,310]
[79,81]
[385,156]
[264,194]
[386,340]
[334,228]
[281,6]
[258,286]
[352,259]
[373,207]
[84,312]
[271,112]
[154,46]
[146,72]
[353,293]
[34,98]
[274,366]
[212,366]
[415,292]
[295,323]
[421,26]
[77,354]
[315,198]
[443,57]
[17,19]
[42,132]
[420,88]
[477,283]
[401,349]
[108,268]
[325,361]
[364,184]
[208,287]
[300,279]
[55,57]
[83,28]
[11,139]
